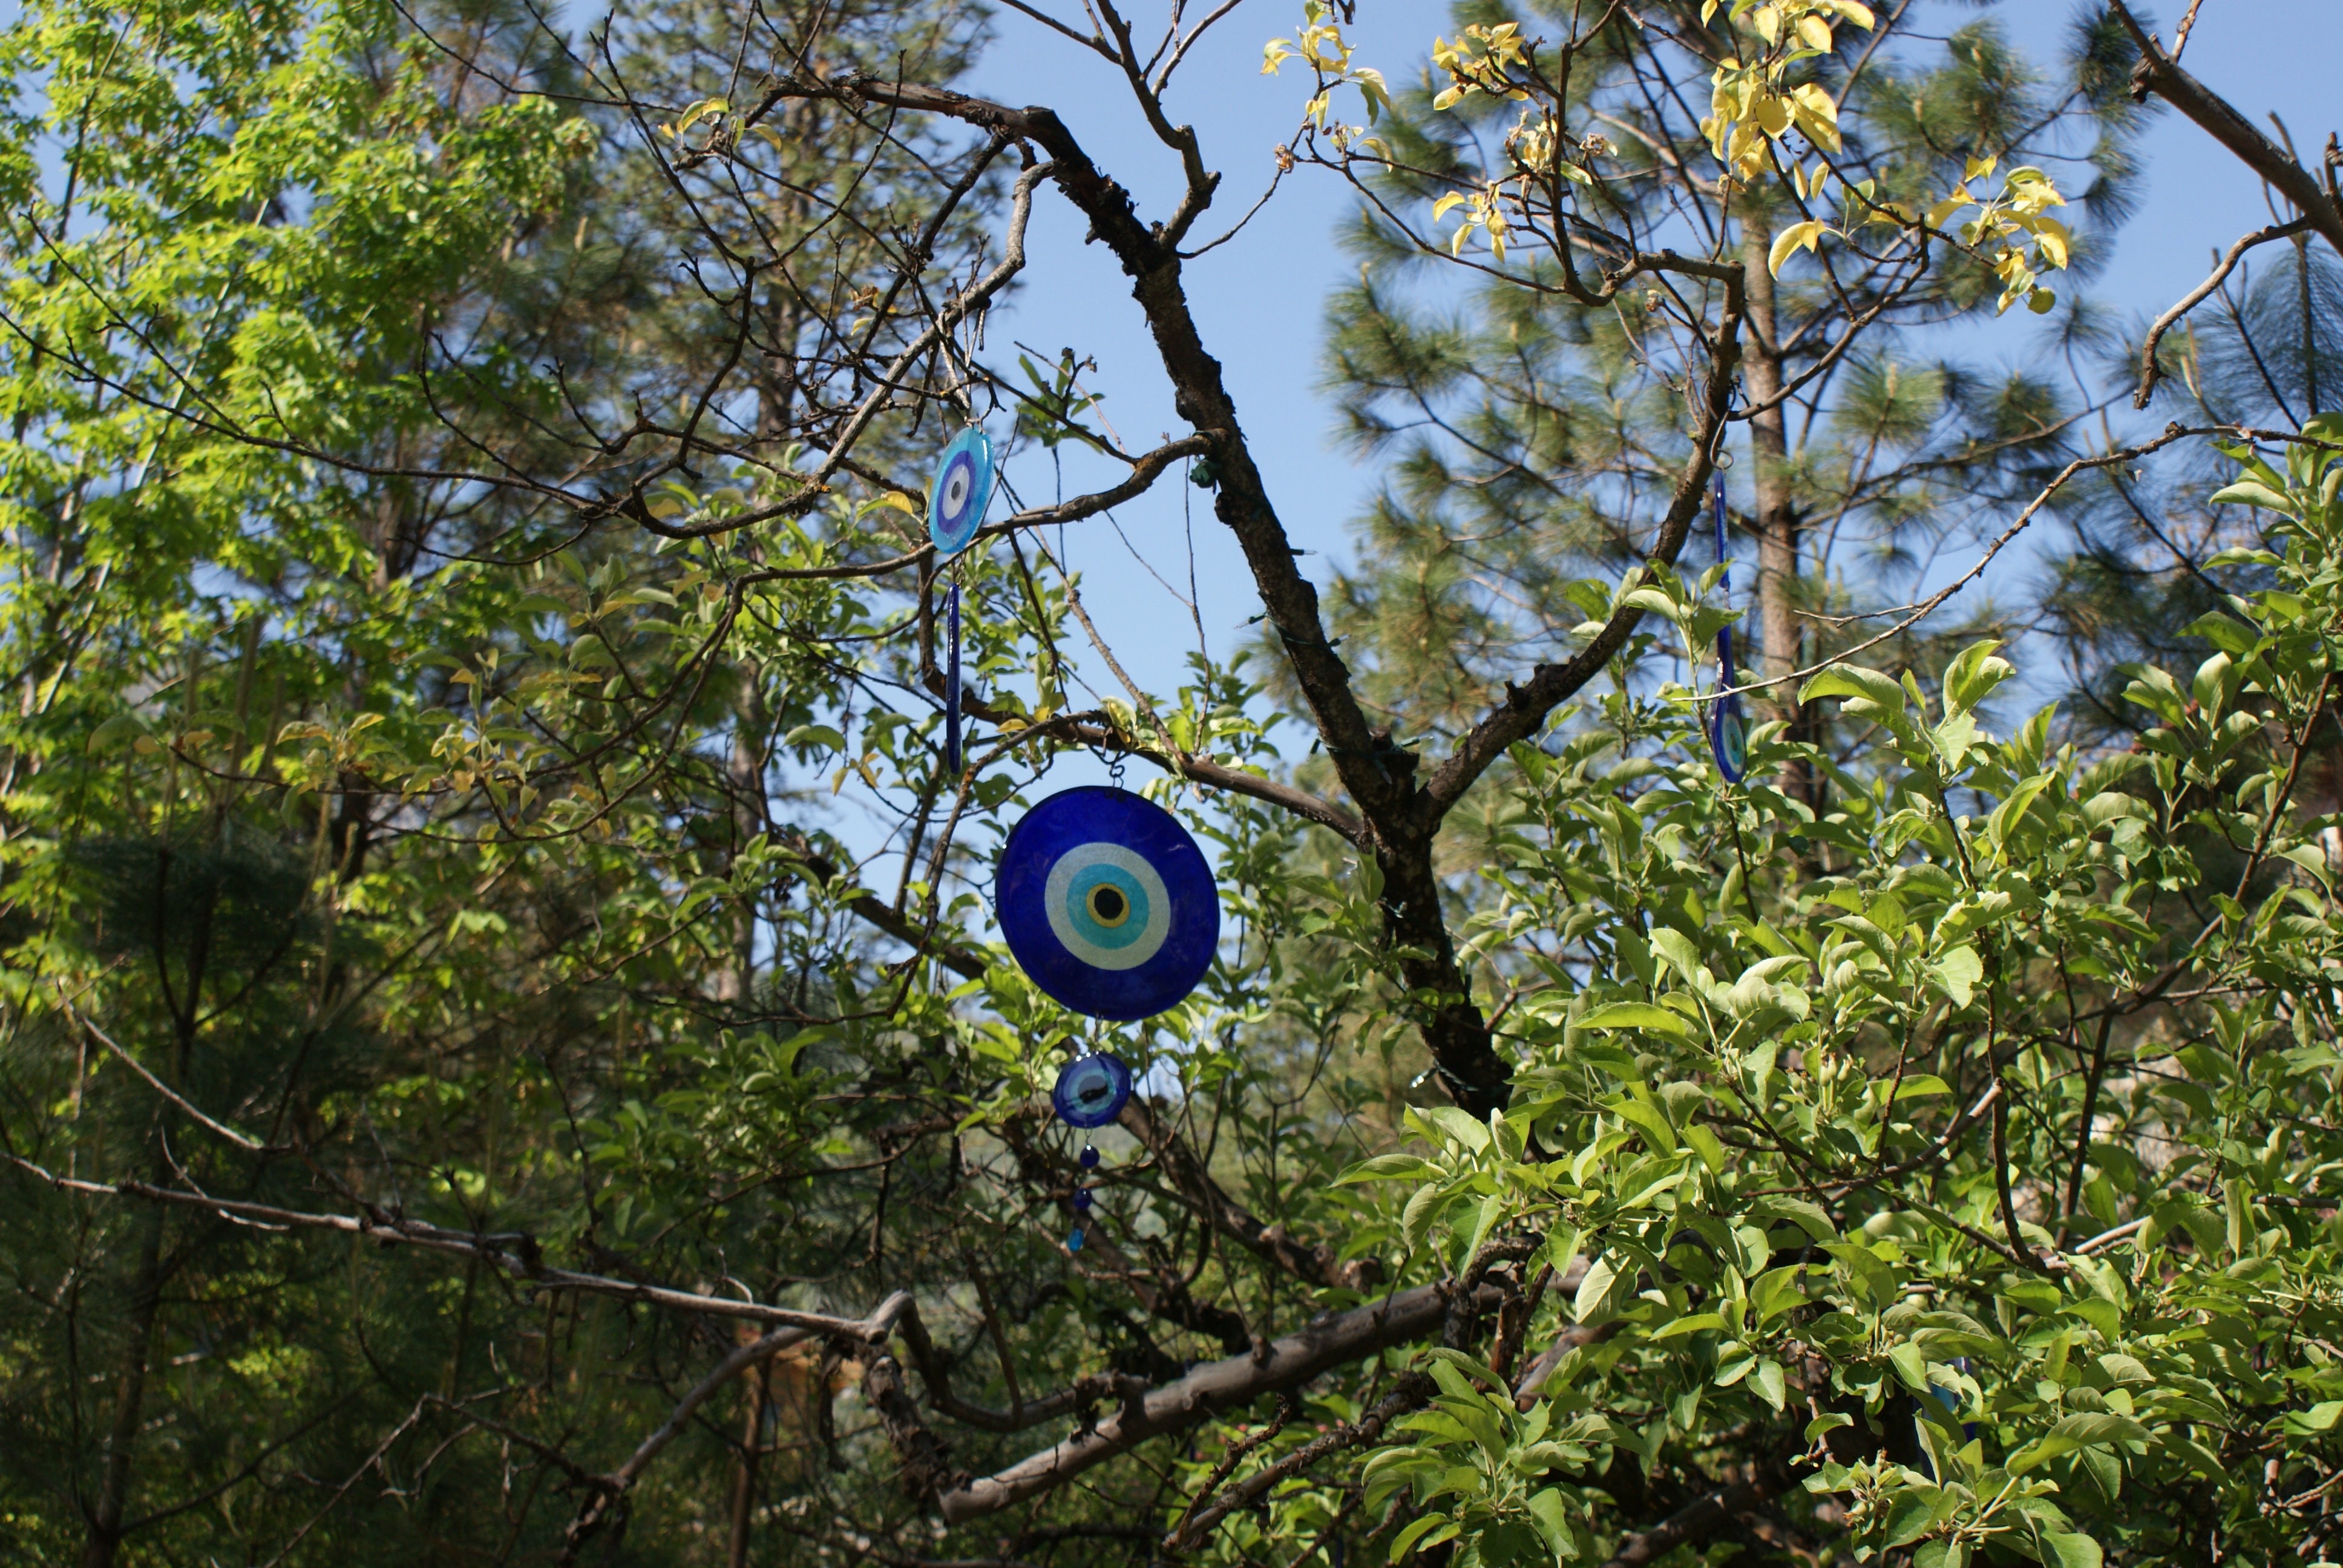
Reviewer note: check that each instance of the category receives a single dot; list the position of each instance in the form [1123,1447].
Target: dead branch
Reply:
[2159,73]
[1315,1262]
[1283,1363]
[2150,372]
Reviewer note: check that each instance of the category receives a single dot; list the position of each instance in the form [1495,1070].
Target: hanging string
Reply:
[1082,1199]
[951,680]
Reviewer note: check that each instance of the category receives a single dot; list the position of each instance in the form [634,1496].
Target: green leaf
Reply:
[1456,1126]
[1913,1514]
[2070,1551]
[1637,1015]
[1776,1291]
[1805,1215]
[1433,1525]
[1854,681]
[1551,1514]
[1594,1289]
[815,736]
[115,733]
[1798,237]
[1972,676]
[1390,1168]
[1688,1325]
[2233,637]
[1767,1379]
[2251,493]
[1957,971]
[2320,1417]
[1649,1121]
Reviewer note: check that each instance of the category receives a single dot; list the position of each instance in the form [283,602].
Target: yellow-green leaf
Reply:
[1798,237]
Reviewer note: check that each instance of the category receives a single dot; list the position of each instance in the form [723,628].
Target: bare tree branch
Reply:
[2159,73]
[1283,1363]
[2150,372]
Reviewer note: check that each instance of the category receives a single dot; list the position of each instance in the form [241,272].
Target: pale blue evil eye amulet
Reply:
[960,490]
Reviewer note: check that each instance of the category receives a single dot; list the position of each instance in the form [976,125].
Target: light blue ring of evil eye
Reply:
[1106,906]
[1080,919]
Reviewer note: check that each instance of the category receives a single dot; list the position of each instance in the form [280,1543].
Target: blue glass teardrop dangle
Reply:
[1728,726]
[1082,1199]
[952,684]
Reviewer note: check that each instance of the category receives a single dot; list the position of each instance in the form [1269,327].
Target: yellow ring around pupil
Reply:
[1108,905]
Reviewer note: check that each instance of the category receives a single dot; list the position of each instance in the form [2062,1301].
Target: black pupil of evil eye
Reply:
[1108,903]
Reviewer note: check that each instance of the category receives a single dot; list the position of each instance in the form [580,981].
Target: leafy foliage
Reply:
[477,1086]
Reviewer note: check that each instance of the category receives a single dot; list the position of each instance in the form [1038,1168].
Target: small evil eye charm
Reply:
[1107,904]
[961,490]
[1092,1090]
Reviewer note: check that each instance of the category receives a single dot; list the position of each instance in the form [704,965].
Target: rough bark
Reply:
[106,1514]
[1401,815]
[2159,73]
[1774,519]
[1283,1363]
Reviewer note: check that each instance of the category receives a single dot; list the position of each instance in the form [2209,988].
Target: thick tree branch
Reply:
[1283,1363]
[1150,257]
[1526,705]
[2159,73]
[1315,1262]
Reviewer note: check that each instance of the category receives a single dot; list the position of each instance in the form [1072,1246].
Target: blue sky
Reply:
[1258,299]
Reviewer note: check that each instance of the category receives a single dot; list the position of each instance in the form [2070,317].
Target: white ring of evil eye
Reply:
[1099,936]
[956,487]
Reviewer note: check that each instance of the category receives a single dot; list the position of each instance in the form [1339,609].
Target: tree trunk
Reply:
[130,1393]
[745,778]
[1773,518]
[744,1479]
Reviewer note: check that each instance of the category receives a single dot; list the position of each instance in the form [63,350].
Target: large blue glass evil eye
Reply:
[1092,1090]
[1107,903]
[963,489]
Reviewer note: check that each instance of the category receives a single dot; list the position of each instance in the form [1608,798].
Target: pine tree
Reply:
[1531,435]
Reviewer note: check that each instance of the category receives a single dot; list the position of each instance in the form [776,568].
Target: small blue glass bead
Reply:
[1075,1242]
[1090,1158]
[1082,1199]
